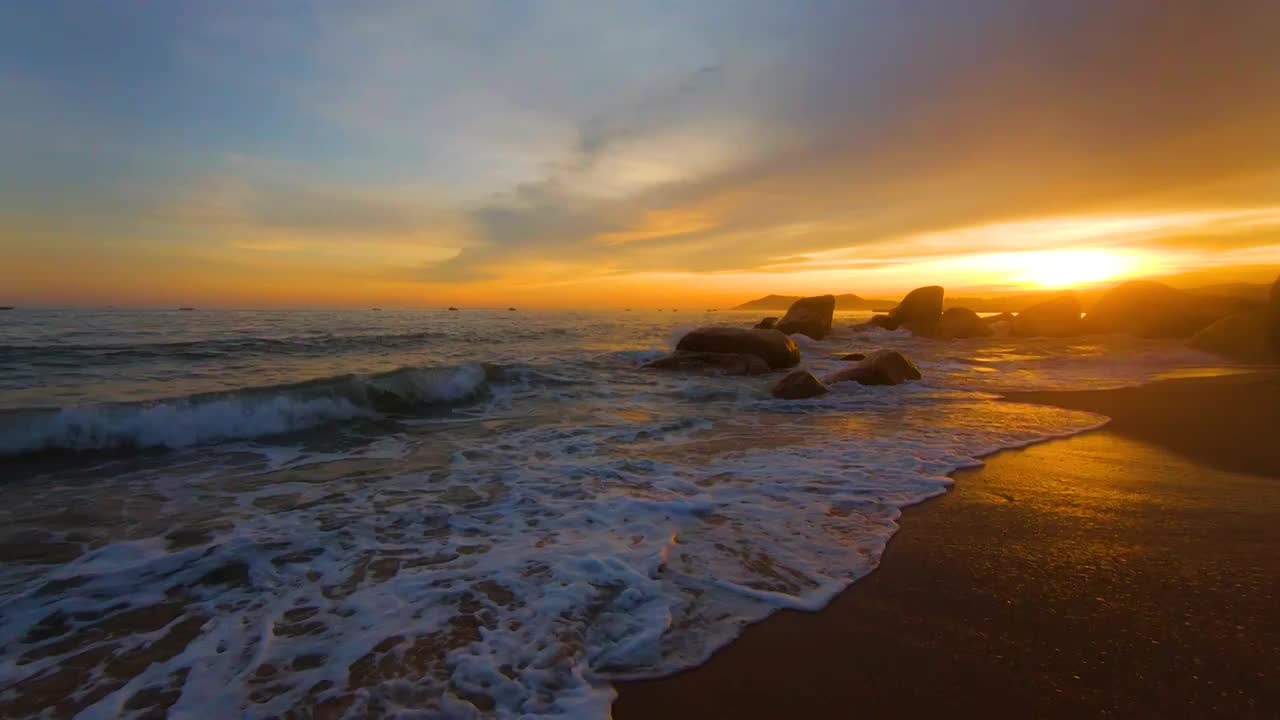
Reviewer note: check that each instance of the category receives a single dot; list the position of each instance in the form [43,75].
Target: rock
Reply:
[773,347]
[726,363]
[853,357]
[809,316]
[919,311]
[960,323]
[1152,310]
[1273,313]
[798,384]
[1251,335]
[882,367]
[1059,317]
[877,321]
[1242,336]
[767,323]
[1001,325]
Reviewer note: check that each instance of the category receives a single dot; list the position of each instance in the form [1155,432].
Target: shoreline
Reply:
[1186,415]
[1123,571]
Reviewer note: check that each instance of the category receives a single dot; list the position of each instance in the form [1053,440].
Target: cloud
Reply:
[863,136]
[543,142]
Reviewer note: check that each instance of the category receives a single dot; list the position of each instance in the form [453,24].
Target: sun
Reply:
[1052,269]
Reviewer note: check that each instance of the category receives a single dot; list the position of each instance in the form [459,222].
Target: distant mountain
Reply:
[848,301]
[1250,293]
[1008,303]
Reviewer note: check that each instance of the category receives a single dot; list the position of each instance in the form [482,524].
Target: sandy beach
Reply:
[1126,572]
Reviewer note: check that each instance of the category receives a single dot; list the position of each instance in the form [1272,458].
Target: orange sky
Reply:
[553,156]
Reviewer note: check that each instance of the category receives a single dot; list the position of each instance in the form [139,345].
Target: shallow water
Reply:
[460,514]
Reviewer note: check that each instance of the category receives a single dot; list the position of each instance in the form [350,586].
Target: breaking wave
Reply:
[242,414]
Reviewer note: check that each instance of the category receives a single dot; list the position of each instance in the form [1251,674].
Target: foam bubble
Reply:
[591,522]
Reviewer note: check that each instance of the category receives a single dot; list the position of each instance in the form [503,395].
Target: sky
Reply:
[603,154]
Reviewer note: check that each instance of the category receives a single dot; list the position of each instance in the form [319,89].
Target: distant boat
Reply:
[185,309]
[511,309]
[376,309]
[453,309]
[6,307]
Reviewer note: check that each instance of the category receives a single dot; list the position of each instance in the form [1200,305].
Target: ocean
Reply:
[464,514]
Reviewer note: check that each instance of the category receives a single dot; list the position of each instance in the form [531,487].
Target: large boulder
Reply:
[767,324]
[1059,317]
[882,367]
[773,347]
[918,312]
[1273,313]
[725,363]
[798,384]
[960,323]
[1250,335]
[809,316]
[1242,336]
[1151,310]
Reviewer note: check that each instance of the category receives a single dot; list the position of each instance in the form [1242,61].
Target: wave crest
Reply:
[242,414]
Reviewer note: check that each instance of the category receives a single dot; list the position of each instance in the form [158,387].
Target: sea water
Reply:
[452,514]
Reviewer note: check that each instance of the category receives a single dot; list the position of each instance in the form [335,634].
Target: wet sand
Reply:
[1128,572]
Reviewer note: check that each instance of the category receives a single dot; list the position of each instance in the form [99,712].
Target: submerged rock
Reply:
[1059,317]
[809,316]
[960,323]
[797,385]
[877,321]
[726,363]
[774,347]
[1151,310]
[882,367]
[766,324]
[919,311]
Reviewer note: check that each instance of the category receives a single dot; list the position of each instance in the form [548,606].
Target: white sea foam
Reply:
[249,413]
[592,522]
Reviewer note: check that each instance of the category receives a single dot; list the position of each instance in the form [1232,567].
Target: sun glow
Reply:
[1048,269]
[1068,268]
